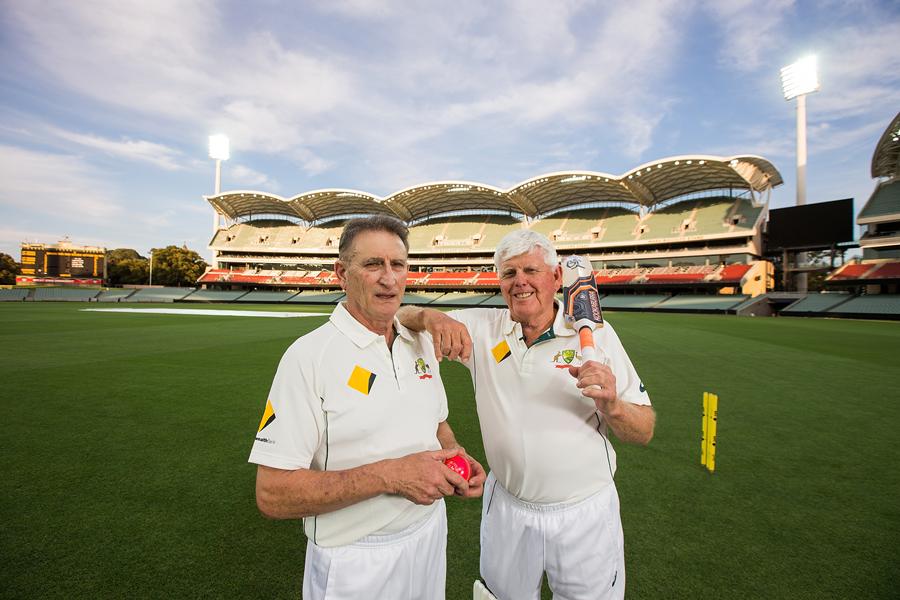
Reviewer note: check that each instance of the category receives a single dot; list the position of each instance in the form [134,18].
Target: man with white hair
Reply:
[550,503]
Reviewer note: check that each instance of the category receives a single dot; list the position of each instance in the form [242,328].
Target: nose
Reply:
[388,278]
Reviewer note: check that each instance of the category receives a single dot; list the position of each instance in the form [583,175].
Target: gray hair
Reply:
[354,227]
[522,241]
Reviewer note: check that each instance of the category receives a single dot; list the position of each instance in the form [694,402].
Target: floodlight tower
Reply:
[797,81]
[218,150]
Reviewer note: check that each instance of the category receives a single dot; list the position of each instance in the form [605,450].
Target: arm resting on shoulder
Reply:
[451,338]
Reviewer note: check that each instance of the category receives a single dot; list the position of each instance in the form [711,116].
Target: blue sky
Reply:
[106,106]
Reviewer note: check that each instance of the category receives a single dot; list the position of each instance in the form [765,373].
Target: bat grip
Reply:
[586,338]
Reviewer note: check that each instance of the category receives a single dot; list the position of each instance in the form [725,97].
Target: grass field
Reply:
[125,441]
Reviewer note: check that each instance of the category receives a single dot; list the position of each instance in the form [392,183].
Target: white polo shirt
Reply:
[544,441]
[341,399]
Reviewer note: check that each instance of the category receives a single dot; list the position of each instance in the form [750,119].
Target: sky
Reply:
[106,105]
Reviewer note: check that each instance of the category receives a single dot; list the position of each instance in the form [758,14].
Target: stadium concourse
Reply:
[690,223]
[684,234]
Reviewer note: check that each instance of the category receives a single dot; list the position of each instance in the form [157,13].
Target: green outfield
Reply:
[126,436]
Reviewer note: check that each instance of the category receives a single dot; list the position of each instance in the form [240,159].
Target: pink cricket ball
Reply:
[460,465]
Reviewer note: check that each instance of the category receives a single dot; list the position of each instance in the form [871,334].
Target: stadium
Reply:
[107,405]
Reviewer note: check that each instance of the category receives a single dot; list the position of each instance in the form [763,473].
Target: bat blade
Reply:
[580,296]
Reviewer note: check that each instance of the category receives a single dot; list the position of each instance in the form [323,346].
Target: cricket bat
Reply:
[582,302]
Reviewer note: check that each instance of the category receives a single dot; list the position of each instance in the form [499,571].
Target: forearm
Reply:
[302,493]
[445,435]
[412,317]
[632,423]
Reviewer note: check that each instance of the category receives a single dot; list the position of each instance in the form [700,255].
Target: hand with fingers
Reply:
[423,478]
[451,338]
[475,486]
[597,382]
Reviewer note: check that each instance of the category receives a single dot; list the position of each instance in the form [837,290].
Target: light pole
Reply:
[218,150]
[797,81]
[151,268]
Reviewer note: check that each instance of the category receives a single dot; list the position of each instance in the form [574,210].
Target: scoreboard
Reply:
[63,260]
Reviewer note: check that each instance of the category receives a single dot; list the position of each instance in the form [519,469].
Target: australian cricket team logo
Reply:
[565,358]
[422,369]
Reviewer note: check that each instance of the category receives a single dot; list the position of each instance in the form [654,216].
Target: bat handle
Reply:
[586,338]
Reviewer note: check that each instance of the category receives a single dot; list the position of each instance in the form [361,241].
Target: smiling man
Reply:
[550,503]
[355,432]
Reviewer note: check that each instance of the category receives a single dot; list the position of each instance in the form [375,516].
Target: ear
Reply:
[557,276]
[340,270]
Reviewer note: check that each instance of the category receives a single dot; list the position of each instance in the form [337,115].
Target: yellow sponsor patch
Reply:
[361,380]
[268,416]
[501,351]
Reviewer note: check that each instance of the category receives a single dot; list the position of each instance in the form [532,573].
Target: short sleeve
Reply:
[629,386]
[292,425]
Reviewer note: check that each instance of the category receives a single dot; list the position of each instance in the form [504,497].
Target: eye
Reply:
[507,274]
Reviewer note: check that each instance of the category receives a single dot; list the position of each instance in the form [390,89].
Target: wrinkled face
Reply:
[528,285]
[374,278]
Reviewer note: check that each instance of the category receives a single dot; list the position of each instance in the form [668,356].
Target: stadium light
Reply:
[218,150]
[797,81]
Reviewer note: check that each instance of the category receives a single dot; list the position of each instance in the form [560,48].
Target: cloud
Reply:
[243,176]
[860,71]
[750,29]
[160,155]
[55,184]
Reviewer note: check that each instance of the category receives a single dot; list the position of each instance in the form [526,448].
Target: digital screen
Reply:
[62,263]
[811,226]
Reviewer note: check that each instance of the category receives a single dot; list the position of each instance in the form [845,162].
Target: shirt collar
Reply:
[358,333]
[560,329]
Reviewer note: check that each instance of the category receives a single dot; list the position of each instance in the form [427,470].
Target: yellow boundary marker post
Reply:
[710,425]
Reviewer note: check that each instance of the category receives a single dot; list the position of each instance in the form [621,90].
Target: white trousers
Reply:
[408,565]
[579,545]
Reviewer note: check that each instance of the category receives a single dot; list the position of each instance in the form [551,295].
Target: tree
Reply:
[177,266]
[9,268]
[126,266]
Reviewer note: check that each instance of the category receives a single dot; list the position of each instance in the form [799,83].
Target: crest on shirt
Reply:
[422,369]
[565,358]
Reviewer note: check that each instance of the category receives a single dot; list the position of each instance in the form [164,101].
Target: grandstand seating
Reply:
[418,298]
[632,301]
[214,296]
[851,271]
[865,271]
[113,295]
[730,273]
[816,303]
[462,299]
[13,295]
[876,304]
[889,270]
[61,294]
[702,303]
[160,294]
[667,275]
[495,300]
[311,297]
[449,278]
[266,296]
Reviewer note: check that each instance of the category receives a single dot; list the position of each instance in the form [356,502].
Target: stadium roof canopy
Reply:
[886,160]
[646,185]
